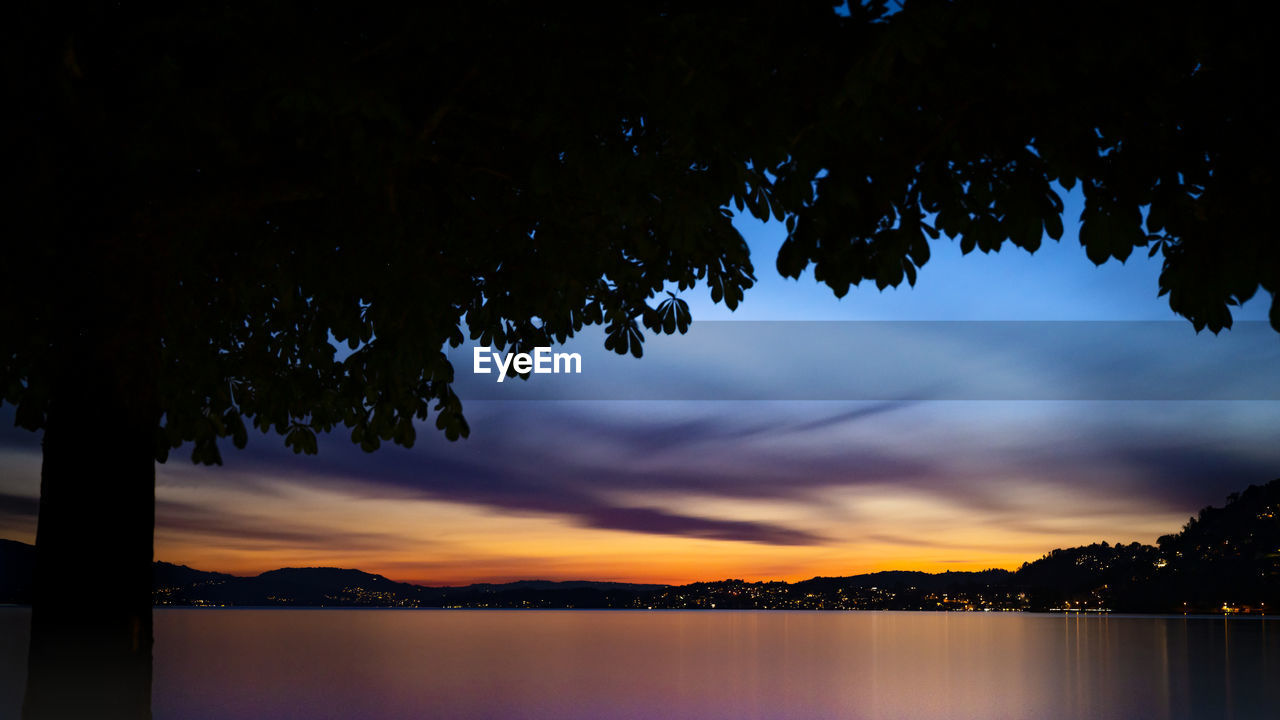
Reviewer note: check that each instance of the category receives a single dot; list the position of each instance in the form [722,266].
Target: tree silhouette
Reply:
[210,197]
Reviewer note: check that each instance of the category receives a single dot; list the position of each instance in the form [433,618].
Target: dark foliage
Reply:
[1228,555]
[248,184]
[1094,576]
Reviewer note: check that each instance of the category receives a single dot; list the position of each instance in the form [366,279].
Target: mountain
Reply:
[1091,577]
[891,590]
[167,575]
[1227,556]
[326,586]
[1224,559]
[18,560]
[908,579]
[320,586]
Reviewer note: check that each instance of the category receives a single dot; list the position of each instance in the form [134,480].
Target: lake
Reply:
[283,663]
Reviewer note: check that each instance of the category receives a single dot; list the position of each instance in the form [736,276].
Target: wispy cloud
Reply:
[237,529]
[19,506]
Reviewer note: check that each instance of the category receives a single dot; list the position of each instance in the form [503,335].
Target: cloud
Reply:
[19,505]
[651,467]
[661,522]
[232,528]
[660,468]
[1178,475]
[719,424]
[569,463]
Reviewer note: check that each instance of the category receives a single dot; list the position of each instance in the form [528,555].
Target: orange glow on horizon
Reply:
[438,543]
[256,524]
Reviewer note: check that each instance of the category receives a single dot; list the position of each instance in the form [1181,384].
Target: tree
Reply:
[210,198]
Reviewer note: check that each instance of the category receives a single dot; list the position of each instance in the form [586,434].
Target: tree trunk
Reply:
[90,653]
[91,611]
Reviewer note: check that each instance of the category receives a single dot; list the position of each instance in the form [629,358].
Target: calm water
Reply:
[666,664]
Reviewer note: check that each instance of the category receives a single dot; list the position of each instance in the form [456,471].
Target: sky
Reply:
[1007,405]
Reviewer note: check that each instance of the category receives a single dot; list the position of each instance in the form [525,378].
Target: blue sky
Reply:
[1057,282]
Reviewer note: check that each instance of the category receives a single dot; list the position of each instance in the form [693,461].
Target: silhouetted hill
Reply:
[17,565]
[354,588]
[1225,557]
[889,590]
[168,575]
[325,586]
[906,579]
[1090,577]
[322,586]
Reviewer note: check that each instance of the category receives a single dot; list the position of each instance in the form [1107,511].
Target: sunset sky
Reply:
[779,449]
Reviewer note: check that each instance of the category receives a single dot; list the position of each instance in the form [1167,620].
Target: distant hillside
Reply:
[891,590]
[18,560]
[1227,555]
[1091,576]
[1224,558]
[297,586]
[324,587]
[903,579]
[167,575]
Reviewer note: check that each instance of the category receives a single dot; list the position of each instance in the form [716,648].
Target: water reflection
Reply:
[601,664]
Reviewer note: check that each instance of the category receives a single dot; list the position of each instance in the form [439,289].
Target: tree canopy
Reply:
[231,189]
